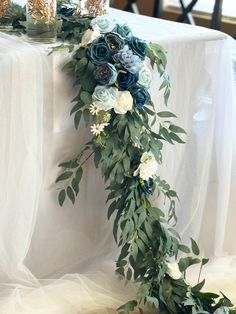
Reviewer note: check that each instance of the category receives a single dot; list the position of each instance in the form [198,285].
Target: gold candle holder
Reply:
[92,7]
[41,20]
[5,21]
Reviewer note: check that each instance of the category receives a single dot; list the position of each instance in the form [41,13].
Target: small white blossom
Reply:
[137,145]
[90,35]
[124,103]
[173,271]
[94,110]
[148,166]
[97,129]
[145,130]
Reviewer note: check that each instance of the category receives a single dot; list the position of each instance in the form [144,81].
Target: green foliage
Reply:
[157,57]
[143,232]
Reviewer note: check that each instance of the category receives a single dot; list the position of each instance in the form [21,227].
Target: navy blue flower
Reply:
[138,47]
[126,80]
[148,187]
[114,42]
[105,74]
[141,96]
[98,52]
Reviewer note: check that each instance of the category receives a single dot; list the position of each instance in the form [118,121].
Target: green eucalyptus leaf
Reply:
[64,176]
[152,302]
[86,115]
[77,118]
[176,129]
[76,107]
[69,164]
[195,248]
[70,194]
[111,209]
[62,197]
[166,135]
[205,261]
[75,186]
[129,306]
[198,287]
[81,65]
[129,274]
[86,98]
[176,138]
[79,174]
[166,114]
[134,251]
[184,248]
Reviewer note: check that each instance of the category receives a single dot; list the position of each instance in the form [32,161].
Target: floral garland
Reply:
[108,65]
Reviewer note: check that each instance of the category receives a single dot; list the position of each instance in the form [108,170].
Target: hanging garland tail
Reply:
[108,64]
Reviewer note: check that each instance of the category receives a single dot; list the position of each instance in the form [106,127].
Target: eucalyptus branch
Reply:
[89,156]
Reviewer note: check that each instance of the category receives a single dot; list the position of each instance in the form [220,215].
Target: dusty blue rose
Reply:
[104,97]
[105,23]
[105,74]
[126,80]
[98,52]
[126,59]
[124,31]
[145,77]
[114,42]
[138,47]
[140,96]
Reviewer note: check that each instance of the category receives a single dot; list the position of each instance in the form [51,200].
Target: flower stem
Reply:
[199,274]
[90,155]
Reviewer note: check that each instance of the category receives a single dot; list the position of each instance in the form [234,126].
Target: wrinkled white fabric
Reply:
[62,260]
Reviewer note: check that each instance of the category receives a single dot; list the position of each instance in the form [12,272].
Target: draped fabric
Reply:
[62,260]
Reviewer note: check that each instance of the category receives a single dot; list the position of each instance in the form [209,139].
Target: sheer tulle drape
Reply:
[61,260]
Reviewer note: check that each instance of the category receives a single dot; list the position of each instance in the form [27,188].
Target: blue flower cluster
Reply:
[119,59]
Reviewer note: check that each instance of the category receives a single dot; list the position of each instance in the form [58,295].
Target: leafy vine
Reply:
[113,99]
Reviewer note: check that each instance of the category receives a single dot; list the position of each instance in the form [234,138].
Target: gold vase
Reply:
[41,23]
[92,7]
[5,21]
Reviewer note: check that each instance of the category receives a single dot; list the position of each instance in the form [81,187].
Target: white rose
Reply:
[145,77]
[105,98]
[148,166]
[90,35]
[105,23]
[222,310]
[173,271]
[124,102]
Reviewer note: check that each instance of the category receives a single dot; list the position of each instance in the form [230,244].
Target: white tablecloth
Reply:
[41,242]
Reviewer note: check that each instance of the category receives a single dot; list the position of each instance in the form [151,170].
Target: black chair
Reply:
[131,6]
[186,15]
[217,15]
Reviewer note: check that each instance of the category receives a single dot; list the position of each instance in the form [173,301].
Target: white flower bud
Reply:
[173,271]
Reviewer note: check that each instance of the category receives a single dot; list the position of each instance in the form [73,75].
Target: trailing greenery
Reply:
[142,231]
[126,149]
